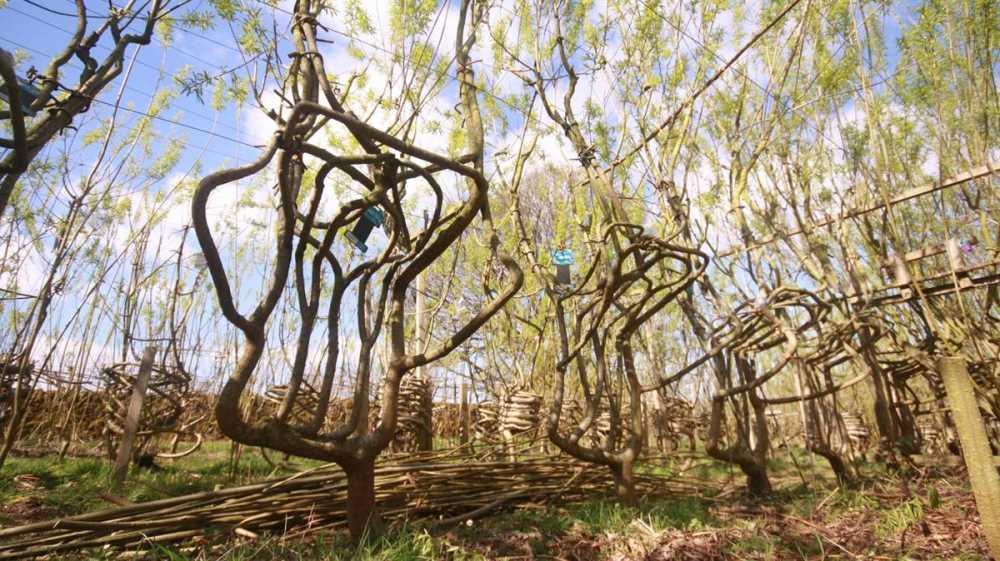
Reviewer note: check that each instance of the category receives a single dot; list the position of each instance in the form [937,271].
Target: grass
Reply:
[514,534]
[405,544]
[764,545]
[593,529]
[899,518]
[605,514]
[75,485]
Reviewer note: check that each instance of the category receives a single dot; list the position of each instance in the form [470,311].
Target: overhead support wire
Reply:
[991,168]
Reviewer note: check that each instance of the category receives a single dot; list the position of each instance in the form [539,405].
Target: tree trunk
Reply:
[13,430]
[909,440]
[625,483]
[361,516]
[754,466]
[837,463]
[817,422]
[883,415]
[758,484]
[10,438]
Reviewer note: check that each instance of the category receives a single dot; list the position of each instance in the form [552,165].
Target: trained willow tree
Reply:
[627,274]
[390,172]
[81,221]
[40,107]
[563,44]
[596,411]
[776,322]
[881,118]
[730,135]
[616,296]
[835,352]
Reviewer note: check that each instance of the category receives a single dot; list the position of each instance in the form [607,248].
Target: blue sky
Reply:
[41,34]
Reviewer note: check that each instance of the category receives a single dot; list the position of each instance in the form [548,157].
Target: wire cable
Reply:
[139,112]
[140,62]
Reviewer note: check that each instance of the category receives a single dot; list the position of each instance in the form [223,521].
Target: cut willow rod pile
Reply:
[430,487]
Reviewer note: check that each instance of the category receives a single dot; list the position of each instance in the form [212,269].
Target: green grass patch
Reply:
[68,487]
[899,518]
[75,485]
[608,515]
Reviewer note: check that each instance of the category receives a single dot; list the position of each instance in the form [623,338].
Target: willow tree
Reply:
[51,105]
[391,172]
[593,333]
[132,24]
[623,155]
[76,217]
[614,298]
[875,120]
[627,273]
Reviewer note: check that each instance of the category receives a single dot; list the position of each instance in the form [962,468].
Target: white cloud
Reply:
[260,128]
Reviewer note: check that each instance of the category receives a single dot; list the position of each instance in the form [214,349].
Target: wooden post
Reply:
[975,446]
[901,277]
[463,414]
[428,442]
[425,440]
[957,263]
[132,418]
[64,425]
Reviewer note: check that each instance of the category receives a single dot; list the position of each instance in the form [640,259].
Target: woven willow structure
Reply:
[486,421]
[447,420]
[674,418]
[857,431]
[9,380]
[416,405]
[933,423]
[520,413]
[598,431]
[306,402]
[440,488]
[165,402]
[516,414]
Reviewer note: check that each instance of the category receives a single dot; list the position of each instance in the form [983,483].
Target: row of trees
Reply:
[688,194]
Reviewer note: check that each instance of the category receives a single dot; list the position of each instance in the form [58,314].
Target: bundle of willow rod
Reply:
[430,487]
[518,413]
[416,406]
[414,431]
[448,420]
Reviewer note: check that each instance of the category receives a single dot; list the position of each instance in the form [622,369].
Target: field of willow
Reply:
[568,280]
